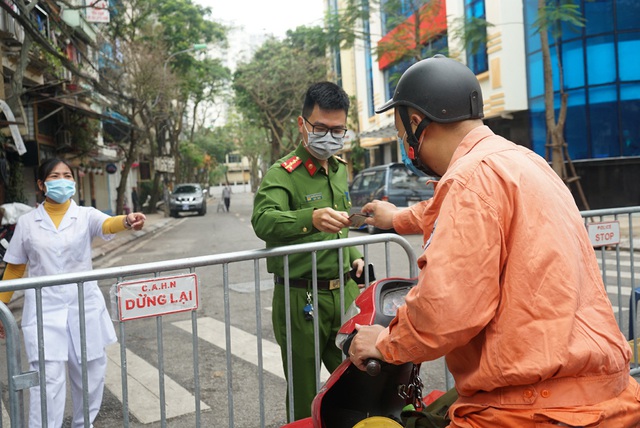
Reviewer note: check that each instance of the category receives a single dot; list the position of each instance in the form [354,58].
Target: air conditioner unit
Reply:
[63,139]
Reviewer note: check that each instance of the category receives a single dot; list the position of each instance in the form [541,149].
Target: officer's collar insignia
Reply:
[291,163]
[311,167]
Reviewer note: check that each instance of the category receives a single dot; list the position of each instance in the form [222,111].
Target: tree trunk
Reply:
[557,161]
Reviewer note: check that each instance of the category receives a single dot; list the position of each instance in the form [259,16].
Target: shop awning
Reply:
[75,104]
[387,130]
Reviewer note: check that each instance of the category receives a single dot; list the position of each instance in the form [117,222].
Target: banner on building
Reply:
[98,12]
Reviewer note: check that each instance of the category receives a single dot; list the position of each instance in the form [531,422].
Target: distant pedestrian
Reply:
[226,196]
[56,238]
[135,201]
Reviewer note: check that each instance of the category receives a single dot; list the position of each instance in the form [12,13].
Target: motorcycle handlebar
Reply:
[373,367]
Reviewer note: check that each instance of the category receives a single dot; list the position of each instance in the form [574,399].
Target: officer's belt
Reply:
[323,284]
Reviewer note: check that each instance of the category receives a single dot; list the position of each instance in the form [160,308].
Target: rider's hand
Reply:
[381,214]
[329,220]
[363,345]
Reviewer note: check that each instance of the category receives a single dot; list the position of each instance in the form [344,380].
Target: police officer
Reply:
[304,198]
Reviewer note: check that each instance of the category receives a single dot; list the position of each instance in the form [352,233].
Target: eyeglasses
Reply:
[321,130]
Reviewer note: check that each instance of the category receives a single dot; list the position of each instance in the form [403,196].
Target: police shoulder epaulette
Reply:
[339,159]
[291,163]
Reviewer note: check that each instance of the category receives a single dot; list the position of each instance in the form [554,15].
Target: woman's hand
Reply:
[134,221]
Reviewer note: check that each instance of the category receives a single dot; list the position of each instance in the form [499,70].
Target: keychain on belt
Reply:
[308,308]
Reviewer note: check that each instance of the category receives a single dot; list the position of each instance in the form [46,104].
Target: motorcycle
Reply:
[9,214]
[352,398]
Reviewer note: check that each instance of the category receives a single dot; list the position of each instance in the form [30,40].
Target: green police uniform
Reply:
[291,190]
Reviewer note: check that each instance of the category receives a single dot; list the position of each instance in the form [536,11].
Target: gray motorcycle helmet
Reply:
[441,88]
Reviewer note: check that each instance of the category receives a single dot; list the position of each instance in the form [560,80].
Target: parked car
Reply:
[393,183]
[187,197]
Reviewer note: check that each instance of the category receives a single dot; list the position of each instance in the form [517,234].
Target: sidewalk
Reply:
[155,221]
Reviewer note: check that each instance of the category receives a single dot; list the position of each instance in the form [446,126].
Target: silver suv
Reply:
[188,197]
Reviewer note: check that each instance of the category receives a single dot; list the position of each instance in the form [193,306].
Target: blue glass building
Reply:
[601,75]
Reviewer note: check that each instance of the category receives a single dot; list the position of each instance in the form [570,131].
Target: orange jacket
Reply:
[509,286]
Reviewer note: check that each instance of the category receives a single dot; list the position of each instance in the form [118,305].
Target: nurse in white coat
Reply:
[56,238]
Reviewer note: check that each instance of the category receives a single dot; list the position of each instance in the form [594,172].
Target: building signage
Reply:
[111,168]
[605,233]
[98,12]
[164,164]
[156,296]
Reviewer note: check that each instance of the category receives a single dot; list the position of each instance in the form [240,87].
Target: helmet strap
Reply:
[413,138]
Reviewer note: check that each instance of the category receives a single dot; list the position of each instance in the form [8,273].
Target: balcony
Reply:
[11,32]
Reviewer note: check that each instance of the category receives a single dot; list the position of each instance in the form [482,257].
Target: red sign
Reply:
[157,296]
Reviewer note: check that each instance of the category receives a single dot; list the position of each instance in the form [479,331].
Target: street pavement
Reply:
[212,330]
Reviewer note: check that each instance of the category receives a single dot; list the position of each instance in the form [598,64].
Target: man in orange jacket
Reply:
[509,289]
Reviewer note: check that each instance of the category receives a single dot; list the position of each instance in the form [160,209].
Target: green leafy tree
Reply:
[271,87]
[152,39]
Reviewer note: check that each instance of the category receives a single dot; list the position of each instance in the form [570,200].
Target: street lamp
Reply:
[195,47]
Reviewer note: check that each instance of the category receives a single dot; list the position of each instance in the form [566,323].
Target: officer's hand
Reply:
[358,265]
[329,220]
[363,345]
[381,214]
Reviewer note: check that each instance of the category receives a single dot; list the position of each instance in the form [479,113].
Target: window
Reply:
[234,158]
[401,9]
[600,76]
[477,61]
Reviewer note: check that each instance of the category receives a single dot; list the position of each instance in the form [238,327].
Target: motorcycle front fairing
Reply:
[351,395]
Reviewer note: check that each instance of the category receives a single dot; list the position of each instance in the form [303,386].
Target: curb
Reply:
[117,242]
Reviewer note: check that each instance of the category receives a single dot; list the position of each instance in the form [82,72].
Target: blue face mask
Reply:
[60,190]
[407,161]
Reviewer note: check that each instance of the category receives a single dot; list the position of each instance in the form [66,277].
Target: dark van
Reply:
[393,183]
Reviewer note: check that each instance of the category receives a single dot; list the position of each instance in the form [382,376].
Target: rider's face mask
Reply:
[407,160]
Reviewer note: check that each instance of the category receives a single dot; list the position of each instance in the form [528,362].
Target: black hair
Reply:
[47,166]
[327,96]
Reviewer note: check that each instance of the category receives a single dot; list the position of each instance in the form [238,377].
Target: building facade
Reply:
[599,76]
[59,112]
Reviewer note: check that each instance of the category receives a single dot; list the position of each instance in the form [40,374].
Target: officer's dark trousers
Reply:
[302,341]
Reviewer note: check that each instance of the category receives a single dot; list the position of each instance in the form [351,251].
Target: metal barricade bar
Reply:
[618,215]
[191,264]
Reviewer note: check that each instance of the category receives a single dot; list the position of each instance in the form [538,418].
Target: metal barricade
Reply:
[18,381]
[617,261]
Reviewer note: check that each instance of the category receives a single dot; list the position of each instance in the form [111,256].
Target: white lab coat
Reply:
[50,251]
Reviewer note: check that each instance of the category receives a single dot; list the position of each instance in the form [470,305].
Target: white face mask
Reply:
[322,147]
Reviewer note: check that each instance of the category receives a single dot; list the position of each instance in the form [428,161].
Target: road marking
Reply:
[244,345]
[6,422]
[143,388]
[250,287]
